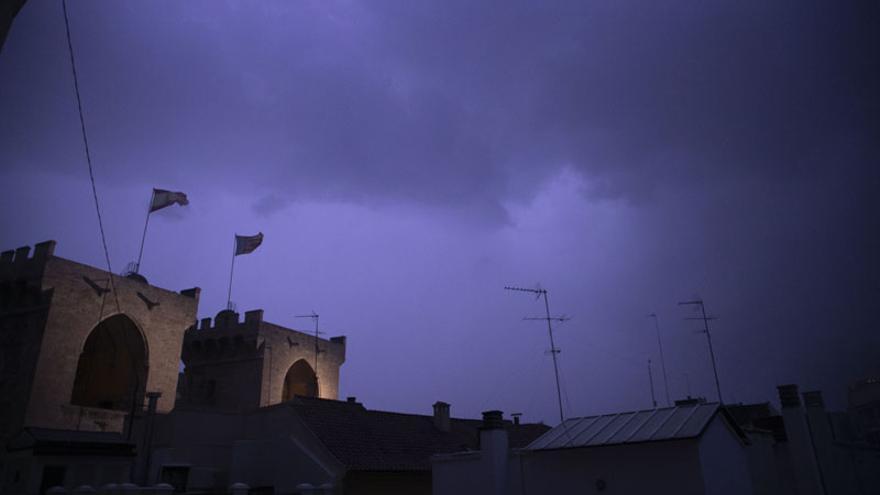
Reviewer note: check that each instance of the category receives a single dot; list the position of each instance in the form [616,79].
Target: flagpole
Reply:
[144,236]
[231,270]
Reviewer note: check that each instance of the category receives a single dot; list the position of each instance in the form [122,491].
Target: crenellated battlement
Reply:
[230,320]
[17,264]
[224,336]
[227,335]
[20,276]
[238,361]
[228,323]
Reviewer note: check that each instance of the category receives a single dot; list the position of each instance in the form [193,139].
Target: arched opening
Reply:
[300,380]
[112,369]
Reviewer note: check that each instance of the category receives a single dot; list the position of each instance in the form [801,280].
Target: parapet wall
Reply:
[230,321]
[17,265]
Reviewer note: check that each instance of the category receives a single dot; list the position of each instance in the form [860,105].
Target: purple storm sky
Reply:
[406,160]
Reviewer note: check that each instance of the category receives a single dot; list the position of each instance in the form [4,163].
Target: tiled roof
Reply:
[667,423]
[366,440]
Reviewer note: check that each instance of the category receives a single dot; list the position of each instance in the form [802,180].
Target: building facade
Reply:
[89,359]
[234,364]
[80,350]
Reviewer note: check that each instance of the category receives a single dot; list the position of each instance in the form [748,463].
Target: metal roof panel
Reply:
[668,423]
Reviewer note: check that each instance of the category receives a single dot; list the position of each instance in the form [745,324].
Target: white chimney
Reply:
[441,416]
[800,445]
[494,451]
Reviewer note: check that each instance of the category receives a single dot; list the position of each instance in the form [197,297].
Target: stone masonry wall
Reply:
[226,349]
[74,311]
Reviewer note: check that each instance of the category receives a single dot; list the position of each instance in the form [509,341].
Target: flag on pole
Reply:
[163,198]
[247,244]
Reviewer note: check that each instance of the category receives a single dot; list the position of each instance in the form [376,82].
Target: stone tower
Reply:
[69,359]
[237,365]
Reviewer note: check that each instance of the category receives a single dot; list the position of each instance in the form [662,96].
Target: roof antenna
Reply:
[662,359]
[539,292]
[314,316]
[706,319]
[651,381]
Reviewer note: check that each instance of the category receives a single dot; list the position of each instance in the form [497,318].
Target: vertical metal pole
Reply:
[662,359]
[137,267]
[711,351]
[231,270]
[317,351]
[553,352]
[269,388]
[651,380]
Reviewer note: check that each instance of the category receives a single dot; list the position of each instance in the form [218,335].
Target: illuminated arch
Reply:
[300,380]
[112,369]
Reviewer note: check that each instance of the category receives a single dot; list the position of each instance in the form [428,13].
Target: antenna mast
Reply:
[315,317]
[651,381]
[699,302]
[662,359]
[553,349]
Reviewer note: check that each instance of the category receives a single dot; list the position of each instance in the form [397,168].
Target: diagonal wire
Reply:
[82,124]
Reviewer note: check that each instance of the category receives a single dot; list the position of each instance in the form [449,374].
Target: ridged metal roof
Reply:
[665,423]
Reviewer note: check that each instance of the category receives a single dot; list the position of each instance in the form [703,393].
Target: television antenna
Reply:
[315,317]
[706,319]
[539,293]
[662,359]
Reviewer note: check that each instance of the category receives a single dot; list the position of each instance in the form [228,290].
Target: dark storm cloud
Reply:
[471,103]
[626,154]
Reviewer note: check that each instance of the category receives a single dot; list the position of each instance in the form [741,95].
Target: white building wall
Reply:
[724,461]
[633,469]
[459,474]
[767,473]
[716,463]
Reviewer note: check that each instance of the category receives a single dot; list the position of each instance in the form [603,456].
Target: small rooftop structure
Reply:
[369,440]
[653,425]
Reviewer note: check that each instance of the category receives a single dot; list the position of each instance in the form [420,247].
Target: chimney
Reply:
[441,416]
[494,451]
[515,417]
[822,438]
[800,445]
[788,396]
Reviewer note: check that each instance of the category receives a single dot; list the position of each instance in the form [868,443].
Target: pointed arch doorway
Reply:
[112,369]
[300,380]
